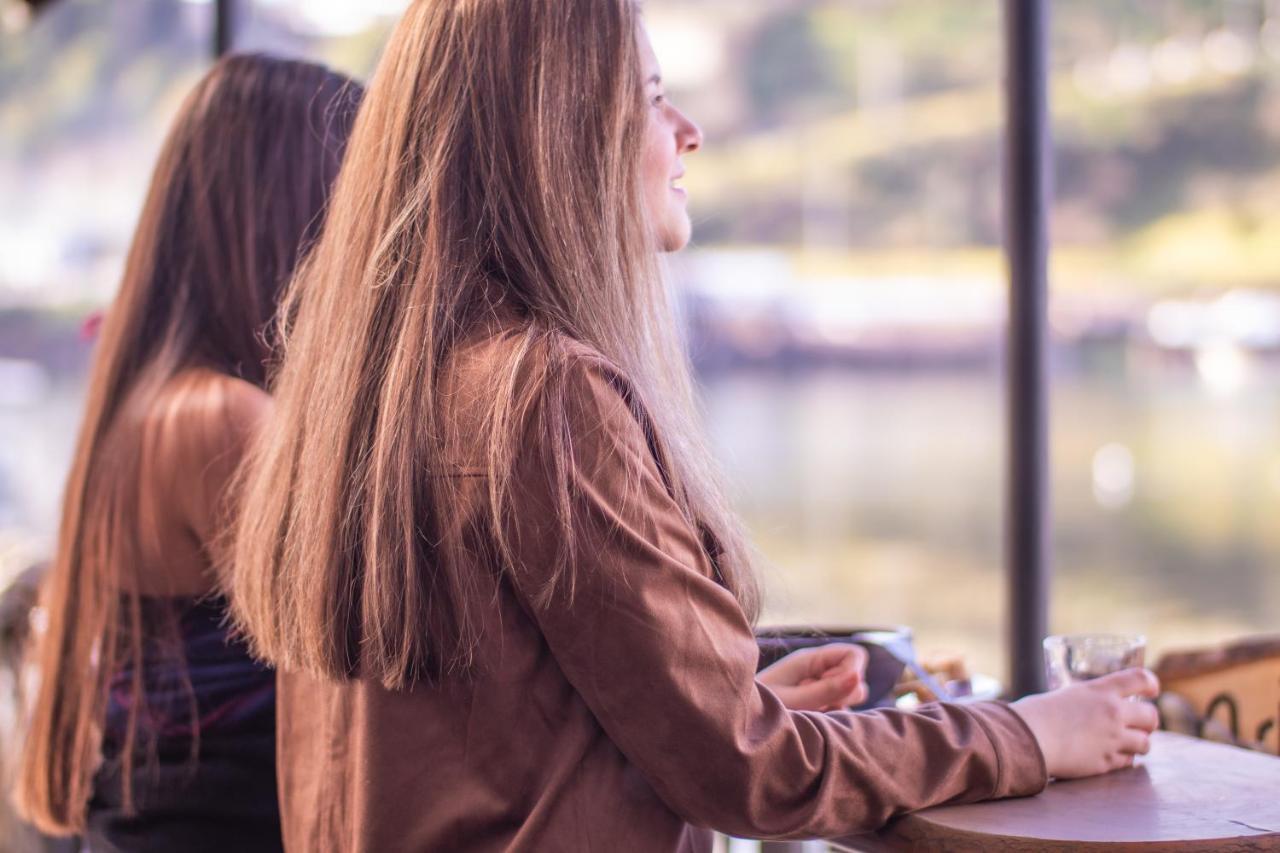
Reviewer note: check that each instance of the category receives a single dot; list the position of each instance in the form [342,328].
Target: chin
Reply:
[675,235]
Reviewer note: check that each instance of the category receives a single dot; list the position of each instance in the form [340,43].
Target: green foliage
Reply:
[787,67]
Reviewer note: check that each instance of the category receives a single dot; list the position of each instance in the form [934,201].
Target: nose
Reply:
[688,134]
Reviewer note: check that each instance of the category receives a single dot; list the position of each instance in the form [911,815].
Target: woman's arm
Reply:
[665,658]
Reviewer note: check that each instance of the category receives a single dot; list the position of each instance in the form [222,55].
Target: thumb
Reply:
[1131,682]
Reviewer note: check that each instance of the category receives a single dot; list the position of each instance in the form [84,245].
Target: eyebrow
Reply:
[657,78]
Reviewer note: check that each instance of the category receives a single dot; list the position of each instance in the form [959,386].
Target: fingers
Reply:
[825,693]
[839,662]
[843,672]
[850,668]
[792,669]
[845,657]
[819,678]
[1135,742]
[853,698]
[857,697]
[1140,715]
[1140,721]
[1131,682]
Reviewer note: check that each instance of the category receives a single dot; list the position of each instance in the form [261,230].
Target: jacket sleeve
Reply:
[665,659]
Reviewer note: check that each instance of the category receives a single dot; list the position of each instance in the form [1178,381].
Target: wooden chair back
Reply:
[1227,693]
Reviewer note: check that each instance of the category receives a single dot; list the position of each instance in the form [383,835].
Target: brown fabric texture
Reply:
[624,718]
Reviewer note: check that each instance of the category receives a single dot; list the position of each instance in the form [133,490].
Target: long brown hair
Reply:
[237,195]
[494,169]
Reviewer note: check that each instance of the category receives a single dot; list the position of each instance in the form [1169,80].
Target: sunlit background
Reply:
[845,290]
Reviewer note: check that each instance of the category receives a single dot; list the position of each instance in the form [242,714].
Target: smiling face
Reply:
[669,134]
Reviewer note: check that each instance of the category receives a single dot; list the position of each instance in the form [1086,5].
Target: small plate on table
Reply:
[976,688]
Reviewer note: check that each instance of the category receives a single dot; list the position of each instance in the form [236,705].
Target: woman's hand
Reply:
[822,678]
[1092,727]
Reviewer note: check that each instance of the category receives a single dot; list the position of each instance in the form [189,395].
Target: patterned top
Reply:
[231,692]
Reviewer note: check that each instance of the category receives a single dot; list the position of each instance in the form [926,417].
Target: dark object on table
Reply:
[884,667]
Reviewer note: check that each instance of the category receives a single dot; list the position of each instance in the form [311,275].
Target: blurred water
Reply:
[877,498]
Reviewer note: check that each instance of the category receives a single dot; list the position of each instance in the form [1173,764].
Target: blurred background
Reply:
[845,292]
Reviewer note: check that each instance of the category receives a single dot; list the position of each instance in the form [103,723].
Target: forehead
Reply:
[648,59]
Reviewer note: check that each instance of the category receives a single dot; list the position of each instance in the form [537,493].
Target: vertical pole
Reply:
[224,26]
[1027,191]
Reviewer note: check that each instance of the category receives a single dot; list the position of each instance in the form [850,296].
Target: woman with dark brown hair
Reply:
[481,536]
[151,729]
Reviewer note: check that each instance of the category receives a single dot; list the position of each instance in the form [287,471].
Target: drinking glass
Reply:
[1070,658]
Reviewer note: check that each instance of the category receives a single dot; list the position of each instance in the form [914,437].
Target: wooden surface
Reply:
[1186,795]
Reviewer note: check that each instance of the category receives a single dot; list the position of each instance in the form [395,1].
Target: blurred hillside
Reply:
[862,127]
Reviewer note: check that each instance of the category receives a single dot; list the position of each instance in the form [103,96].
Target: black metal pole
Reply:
[224,26]
[1027,192]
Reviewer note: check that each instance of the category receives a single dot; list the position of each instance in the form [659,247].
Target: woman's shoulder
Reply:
[195,431]
[200,416]
[538,388]
[199,402]
[534,365]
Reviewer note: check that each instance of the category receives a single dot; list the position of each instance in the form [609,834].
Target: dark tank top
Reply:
[204,761]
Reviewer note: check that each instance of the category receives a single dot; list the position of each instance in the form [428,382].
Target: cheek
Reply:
[667,213]
[657,161]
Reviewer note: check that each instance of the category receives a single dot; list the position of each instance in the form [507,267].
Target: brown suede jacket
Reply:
[626,719]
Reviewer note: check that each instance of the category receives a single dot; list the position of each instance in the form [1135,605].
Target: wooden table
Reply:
[1186,795]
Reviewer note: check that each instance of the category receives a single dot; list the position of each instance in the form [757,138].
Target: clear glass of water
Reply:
[1069,658]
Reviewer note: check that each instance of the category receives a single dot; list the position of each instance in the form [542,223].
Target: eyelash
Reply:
[658,100]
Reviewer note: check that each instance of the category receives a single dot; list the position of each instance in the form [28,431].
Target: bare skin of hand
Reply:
[1093,727]
[823,678]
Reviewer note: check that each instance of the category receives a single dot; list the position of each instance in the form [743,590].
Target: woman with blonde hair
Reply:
[152,729]
[481,536]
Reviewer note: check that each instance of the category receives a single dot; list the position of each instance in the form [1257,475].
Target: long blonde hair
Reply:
[495,160]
